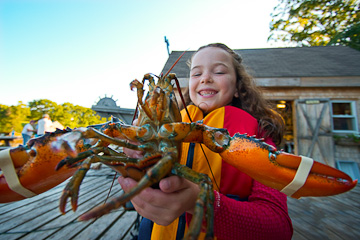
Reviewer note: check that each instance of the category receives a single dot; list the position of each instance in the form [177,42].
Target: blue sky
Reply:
[80,50]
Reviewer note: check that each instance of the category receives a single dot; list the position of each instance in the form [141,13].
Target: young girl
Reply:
[222,94]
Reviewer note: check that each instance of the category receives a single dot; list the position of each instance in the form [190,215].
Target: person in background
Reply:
[222,94]
[28,131]
[44,125]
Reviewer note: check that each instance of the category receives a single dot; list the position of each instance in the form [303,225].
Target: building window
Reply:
[344,117]
[349,167]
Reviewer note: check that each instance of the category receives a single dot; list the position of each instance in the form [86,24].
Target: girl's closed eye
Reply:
[220,70]
[196,74]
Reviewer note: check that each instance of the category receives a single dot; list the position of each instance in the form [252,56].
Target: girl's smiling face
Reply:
[212,79]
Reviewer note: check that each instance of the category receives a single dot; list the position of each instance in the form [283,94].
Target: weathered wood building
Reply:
[316,90]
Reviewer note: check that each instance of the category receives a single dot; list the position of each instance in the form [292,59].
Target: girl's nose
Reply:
[206,78]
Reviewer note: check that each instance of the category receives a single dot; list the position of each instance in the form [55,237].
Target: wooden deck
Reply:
[336,217]
[39,217]
[326,218]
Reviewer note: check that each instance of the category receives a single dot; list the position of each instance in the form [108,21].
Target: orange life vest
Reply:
[235,120]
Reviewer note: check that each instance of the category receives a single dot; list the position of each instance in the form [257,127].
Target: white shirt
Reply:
[44,125]
[28,128]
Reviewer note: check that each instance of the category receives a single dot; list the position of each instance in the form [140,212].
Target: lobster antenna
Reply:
[182,98]
[178,85]
[207,160]
[135,113]
[112,184]
[177,60]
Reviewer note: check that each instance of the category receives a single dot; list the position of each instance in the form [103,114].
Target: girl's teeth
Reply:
[206,93]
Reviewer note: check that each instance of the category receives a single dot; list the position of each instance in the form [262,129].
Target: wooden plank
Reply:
[67,221]
[298,236]
[278,82]
[47,221]
[119,230]
[121,221]
[93,198]
[334,217]
[325,82]
[21,208]
[20,217]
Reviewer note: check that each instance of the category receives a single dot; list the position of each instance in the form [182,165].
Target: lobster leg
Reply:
[140,93]
[72,188]
[117,162]
[204,201]
[69,161]
[161,169]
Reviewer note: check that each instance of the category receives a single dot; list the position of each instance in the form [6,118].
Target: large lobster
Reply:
[159,134]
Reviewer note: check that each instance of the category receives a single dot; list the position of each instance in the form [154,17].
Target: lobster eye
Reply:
[32,153]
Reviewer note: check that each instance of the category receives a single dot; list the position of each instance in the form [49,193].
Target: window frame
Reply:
[353,116]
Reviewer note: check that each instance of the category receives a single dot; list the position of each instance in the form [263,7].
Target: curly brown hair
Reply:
[250,98]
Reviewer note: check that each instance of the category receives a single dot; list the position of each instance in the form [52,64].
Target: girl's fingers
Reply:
[150,203]
[133,153]
[148,196]
[173,184]
[175,196]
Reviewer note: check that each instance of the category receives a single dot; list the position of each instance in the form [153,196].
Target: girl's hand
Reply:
[175,196]
[133,153]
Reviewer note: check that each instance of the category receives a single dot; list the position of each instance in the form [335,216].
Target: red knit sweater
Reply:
[264,215]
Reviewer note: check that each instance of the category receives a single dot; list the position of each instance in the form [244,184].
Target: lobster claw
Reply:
[30,170]
[318,179]
[294,175]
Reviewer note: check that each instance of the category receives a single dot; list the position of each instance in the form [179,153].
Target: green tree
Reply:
[86,116]
[13,117]
[350,37]
[39,107]
[69,115]
[5,124]
[77,116]
[66,115]
[316,22]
